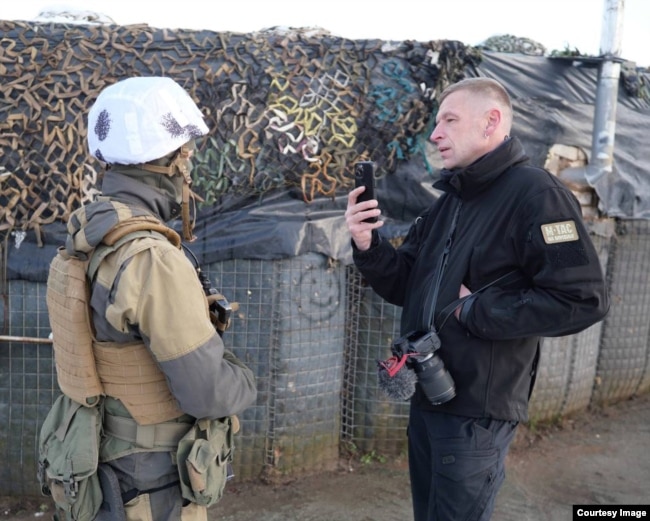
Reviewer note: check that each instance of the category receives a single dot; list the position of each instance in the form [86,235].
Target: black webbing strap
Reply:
[129,495]
[450,308]
[442,264]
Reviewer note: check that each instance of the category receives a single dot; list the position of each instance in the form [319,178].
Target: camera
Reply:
[435,381]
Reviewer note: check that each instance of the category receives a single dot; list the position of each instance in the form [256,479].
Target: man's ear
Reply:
[493,121]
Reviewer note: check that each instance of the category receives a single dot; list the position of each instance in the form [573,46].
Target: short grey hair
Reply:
[487,89]
[481,86]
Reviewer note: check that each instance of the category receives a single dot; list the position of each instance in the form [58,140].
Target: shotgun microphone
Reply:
[395,379]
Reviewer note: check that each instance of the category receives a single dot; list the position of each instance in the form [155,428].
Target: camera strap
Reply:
[450,308]
[442,264]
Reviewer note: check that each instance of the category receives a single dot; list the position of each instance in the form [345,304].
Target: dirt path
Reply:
[600,457]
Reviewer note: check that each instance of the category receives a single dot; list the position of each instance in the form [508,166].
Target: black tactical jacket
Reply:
[514,219]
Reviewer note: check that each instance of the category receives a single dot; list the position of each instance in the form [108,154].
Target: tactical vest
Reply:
[88,369]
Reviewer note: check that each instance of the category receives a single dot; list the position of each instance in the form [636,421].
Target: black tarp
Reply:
[554,101]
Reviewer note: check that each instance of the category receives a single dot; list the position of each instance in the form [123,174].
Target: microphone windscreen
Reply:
[401,386]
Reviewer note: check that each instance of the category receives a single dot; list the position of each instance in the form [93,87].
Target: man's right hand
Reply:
[354,217]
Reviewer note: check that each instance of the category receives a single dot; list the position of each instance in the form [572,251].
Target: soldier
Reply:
[159,357]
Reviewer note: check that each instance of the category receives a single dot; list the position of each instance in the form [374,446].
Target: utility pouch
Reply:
[68,458]
[203,457]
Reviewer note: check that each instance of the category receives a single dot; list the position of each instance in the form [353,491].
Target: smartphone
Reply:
[364,175]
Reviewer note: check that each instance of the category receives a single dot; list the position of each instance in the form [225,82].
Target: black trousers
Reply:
[456,464]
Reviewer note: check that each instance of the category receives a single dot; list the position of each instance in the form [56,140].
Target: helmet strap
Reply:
[180,164]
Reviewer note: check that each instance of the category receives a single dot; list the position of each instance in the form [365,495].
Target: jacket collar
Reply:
[126,192]
[470,181]
[155,192]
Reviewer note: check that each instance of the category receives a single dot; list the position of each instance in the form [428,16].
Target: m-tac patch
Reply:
[564,231]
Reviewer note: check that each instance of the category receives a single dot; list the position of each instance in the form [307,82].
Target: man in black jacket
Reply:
[500,260]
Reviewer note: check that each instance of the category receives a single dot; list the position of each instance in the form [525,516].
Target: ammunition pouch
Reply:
[68,458]
[203,457]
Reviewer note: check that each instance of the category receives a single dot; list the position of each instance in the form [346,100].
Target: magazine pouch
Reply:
[68,457]
[204,455]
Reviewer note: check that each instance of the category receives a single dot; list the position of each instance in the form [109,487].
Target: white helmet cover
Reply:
[141,119]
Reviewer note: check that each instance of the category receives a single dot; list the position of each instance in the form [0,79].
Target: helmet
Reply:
[141,119]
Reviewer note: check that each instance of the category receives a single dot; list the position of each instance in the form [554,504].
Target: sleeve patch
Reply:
[564,231]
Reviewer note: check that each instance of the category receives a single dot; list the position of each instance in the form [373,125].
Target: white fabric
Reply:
[140,119]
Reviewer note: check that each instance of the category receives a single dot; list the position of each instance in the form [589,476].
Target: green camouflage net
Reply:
[290,110]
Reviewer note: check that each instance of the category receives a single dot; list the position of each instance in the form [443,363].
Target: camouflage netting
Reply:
[289,110]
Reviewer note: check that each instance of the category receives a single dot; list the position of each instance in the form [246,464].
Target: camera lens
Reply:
[435,381]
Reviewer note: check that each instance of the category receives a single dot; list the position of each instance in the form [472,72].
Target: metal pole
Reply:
[602,146]
[28,339]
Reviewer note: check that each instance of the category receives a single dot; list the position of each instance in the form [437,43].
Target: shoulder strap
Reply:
[128,230]
[101,251]
[138,223]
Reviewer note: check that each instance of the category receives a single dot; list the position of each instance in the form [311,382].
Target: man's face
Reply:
[459,134]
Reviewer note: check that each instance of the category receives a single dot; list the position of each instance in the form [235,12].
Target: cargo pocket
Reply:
[465,482]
